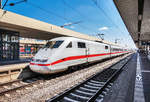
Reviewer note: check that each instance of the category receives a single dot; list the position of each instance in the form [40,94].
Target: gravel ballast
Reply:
[49,88]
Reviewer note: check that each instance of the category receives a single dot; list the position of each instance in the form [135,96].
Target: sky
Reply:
[92,16]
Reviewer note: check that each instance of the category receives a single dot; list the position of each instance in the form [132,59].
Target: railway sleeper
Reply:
[95,88]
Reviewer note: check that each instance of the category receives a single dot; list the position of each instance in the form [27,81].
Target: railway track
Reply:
[94,88]
[15,85]
[6,88]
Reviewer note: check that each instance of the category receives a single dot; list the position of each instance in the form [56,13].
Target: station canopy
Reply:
[31,28]
[136,16]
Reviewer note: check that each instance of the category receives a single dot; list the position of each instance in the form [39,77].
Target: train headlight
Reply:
[45,60]
[40,60]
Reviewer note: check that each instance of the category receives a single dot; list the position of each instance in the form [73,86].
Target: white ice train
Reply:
[62,52]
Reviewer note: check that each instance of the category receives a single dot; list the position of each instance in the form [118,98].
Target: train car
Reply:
[116,50]
[62,52]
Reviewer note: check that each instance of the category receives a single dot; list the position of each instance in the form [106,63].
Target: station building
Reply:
[9,45]
[28,47]
[12,47]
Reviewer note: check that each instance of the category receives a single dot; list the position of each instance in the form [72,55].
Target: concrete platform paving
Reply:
[133,84]
[123,88]
[3,63]
[11,70]
[145,69]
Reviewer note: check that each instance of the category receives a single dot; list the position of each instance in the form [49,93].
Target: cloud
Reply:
[103,28]
[72,27]
[67,23]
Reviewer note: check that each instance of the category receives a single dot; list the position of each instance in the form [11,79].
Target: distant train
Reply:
[61,53]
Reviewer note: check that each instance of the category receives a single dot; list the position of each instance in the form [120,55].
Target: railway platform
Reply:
[10,70]
[133,84]
[145,69]
[3,63]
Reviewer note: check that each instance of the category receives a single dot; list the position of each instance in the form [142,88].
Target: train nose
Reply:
[40,69]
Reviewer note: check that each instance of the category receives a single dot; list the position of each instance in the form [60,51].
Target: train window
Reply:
[81,45]
[57,44]
[69,45]
[106,47]
[53,44]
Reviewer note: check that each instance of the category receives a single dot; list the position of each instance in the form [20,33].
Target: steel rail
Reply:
[19,87]
[10,82]
[67,92]
[93,98]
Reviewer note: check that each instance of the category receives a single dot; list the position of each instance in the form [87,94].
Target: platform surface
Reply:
[145,69]
[11,62]
[133,84]
[13,65]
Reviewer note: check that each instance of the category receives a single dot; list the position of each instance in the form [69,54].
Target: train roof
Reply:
[73,38]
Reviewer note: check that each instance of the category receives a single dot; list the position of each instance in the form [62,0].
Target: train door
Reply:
[110,50]
[87,52]
[82,50]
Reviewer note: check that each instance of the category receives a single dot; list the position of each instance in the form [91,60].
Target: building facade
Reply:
[12,47]
[29,47]
[9,45]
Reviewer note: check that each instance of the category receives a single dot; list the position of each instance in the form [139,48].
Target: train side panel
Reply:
[72,51]
[70,56]
[98,51]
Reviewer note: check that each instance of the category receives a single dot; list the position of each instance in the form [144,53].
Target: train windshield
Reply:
[53,44]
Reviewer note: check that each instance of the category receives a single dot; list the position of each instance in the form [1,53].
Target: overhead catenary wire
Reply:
[58,16]
[18,2]
[102,10]
[47,11]
[81,15]
[69,6]
[84,27]
[4,4]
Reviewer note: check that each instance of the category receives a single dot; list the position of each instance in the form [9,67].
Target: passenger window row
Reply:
[79,44]
[116,49]
[69,45]
[106,47]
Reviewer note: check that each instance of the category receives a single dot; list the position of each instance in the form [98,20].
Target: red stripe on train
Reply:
[74,58]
